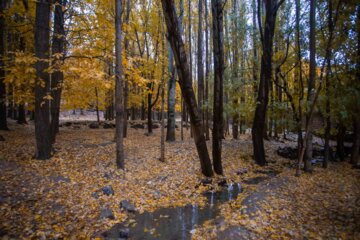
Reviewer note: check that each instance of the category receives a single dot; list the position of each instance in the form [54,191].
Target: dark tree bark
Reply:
[258,128]
[22,116]
[255,50]
[218,48]
[355,157]
[119,105]
[311,86]
[170,130]
[200,64]
[207,72]
[327,86]
[42,113]
[57,79]
[183,70]
[340,139]
[126,90]
[235,70]
[3,120]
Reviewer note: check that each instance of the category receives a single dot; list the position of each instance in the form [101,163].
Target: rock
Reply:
[67,124]
[107,175]
[242,171]
[106,213]
[108,190]
[127,206]
[138,125]
[222,182]
[76,127]
[206,181]
[124,233]
[59,178]
[2,138]
[94,125]
[155,126]
[95,195]
[107,126]
[287,152]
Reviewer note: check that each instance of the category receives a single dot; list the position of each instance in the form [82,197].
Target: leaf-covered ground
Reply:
[55,198]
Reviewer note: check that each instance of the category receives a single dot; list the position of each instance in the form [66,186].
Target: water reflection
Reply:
[175,223]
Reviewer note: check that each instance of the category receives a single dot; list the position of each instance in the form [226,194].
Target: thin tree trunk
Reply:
[183,70]
[3,41]
[42,113]
[119,107]
[162,151]
[97,105]
[255,50]
[57,77]
[207,72]
[126,90]
[200,64]
[170,130]
[217,15]
[22,115]
[235,70]
[311,86]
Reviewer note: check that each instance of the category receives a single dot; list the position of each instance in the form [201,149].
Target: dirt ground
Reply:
[63,197]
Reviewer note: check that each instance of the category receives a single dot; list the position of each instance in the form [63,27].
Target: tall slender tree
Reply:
[170,130]
[42,87]
[218,48]
[200,64]
[183,70]
[126,48]
[266,36]
[311,86]
[119,107]
[57,77]
[3,120]
[207,72]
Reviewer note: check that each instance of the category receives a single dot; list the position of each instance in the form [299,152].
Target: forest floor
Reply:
[63,197]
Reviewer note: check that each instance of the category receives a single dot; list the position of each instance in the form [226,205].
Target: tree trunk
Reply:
[170,130]
[340,139]
[149,113]
[162,151]
[3,40]
[119,107]
[217,13]
[126,90]
[259,128]
[200,64]
[42,113]
[97,105]
[183,70]
[22,115]
[207,73]
[255,50]
[356,144]
[327,88]
[235,70]
[311,85]
[57,77]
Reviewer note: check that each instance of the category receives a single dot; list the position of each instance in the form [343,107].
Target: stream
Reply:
[175,222]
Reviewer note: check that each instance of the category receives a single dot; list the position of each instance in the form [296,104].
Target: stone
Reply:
[67,124]
[287,152]
[107,175]
[222,182]
[206,181]
[94,125]
[242,171]
[95,195]
[124,233]
[107,125]
[127,206]
[2,139]
[106,213]
[108,190]
[138,125]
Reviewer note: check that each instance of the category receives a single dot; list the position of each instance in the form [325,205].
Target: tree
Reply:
[311,84]
[42,87]
[200,67]
[266,36]
[207,73]
[183,70]
[57,77]
[3,121]
[170,130]
[126,46]
[218,49]
[119,107]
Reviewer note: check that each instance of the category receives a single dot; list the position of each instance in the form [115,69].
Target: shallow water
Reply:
[174,223]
